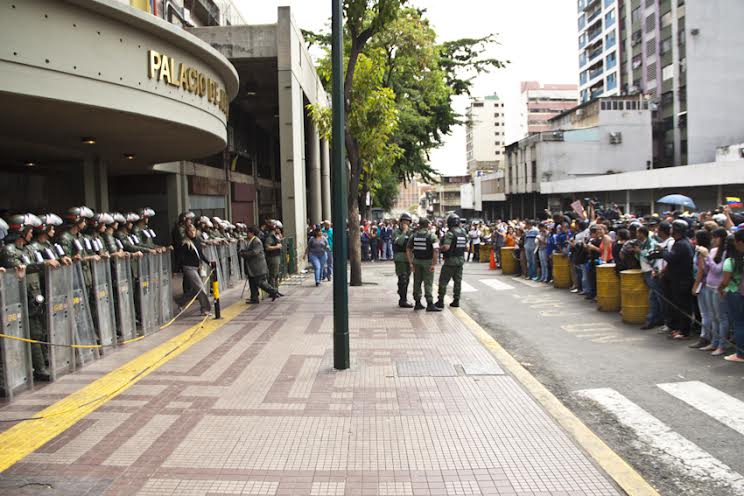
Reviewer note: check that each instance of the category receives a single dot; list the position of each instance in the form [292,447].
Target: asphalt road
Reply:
[675,414]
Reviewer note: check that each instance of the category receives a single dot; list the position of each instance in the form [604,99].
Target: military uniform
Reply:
[456,239]
[145,235]
[273,259]
[256,268]
[402,269]
[423,243]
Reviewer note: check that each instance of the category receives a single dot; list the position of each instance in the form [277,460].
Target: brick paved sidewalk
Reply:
[256,408]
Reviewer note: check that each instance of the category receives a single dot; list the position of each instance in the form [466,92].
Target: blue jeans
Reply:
[716,307]
[735,306]
[587,281]
[531,262]
[706,328]
[544,268]
[328,272]
[387,249]
[318,263]
[655,310]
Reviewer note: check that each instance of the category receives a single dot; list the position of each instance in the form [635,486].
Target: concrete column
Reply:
[627,201]
[719,195]
[652,200]
[95,184]
[325,179]
[314,182]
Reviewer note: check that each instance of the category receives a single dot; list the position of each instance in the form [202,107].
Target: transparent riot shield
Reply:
[103,302]
[16,371]
[235,273]
[85,331]
[166,292]
[126,323]
[242,245]
[210,251]
[60,320]
[145,298]
[154,268]
[224,263]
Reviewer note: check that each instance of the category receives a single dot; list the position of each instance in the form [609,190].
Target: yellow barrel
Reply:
[608,289]
[485,252]
[508,263]
[561,271]
[634,296]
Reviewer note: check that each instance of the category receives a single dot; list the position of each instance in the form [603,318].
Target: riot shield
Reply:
[103,302]
[16,371]
[210,251]
[235,273]
[85,331]
[166,292]
[224,263]
[154,268]
[126,323]
[60,320]
[242,245]
[145,298]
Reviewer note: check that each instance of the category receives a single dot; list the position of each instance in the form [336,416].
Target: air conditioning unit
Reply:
[616,138]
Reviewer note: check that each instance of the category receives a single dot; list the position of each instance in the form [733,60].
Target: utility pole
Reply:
[339,188]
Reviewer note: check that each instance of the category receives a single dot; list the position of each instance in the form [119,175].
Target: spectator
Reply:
[317,254]
[732,288]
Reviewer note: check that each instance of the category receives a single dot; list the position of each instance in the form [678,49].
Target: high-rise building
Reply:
[686,57]
[485,134]
[541,102]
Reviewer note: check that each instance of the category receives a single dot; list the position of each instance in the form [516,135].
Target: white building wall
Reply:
[485,134]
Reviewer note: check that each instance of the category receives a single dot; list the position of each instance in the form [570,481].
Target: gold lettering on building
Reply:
[161,67]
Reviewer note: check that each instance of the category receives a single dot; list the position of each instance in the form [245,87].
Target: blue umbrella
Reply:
[681,200]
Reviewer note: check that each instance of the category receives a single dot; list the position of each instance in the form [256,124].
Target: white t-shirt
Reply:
[475,236]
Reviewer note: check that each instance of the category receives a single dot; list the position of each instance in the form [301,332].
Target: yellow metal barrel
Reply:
[508,263]
[634,296]
[561,271]
[608,289]
[485,252]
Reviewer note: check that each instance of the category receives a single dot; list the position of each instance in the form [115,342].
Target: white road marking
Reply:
[725,408]
[675,450]
[531,283]
[496,284]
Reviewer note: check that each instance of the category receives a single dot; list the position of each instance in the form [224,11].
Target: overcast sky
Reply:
[537,36]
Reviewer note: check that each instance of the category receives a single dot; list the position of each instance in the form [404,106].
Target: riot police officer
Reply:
[454,244]
[3,232]
[129,241]
[402,268]
[423,253]
[113,245]
[273,249]
[144,233]
[71,239]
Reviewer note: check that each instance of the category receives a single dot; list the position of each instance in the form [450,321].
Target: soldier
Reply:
[130,242]
[273,248]
[422,253]
[255,267]
[42,242]
[72,240]
[113,245]
[3,232]
[454,244]
[29,264]
[96,229]
[402,268]
[185,219]
[142,230]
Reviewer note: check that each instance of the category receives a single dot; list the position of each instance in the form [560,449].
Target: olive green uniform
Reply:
[273,259]
[402,269]
[422,263]
[455,240]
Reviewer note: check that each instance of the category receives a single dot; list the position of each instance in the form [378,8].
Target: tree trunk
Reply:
[355,243]
[363,208]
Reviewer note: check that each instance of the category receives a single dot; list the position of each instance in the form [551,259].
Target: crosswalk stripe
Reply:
[676,450]
[496,284]
[725,408]
[464,287]
[531,283]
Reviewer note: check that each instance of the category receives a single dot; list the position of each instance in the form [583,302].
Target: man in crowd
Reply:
[423,253]
[256,268]
[402,267]
[454,244]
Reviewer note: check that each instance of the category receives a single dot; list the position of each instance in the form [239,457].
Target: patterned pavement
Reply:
[256,408]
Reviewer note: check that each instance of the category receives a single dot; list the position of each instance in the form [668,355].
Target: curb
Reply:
[618,469]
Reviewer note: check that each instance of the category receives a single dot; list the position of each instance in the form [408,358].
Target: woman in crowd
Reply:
[317,253]
[191,256]
[715,305]
[732,289]
[542,252]
[700,269]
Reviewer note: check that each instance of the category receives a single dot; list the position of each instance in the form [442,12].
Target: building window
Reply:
[582,77]
[581,4]
[666,20]
[650,23]
[666,46]
[582,40]
[477,104]
[582,59]
[611,61]
[609,3]
[667,72]
[610,40]
[681,37]
[582,21]
[610,18]
[496,114]
[612,81]
[667,98]
[635,16]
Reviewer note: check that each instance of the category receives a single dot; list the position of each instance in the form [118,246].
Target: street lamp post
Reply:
[339,187]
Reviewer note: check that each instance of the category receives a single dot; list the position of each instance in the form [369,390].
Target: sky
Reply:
[539,37]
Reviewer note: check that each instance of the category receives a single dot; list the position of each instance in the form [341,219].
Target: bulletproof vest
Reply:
[422,246]
[397,246]
[459,244]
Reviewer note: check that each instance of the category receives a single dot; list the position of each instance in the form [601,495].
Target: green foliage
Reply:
[385,190]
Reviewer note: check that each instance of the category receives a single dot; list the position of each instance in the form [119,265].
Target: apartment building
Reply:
[485,134]
[599,36]
[541,102]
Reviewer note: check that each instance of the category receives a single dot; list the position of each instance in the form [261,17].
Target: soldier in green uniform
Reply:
[129,242]
[144,233]
[113,245]
[454,244]
[402,268]
[95,232]
[29,264]
[273,249]
[423,253]
[3,233]
[71,239]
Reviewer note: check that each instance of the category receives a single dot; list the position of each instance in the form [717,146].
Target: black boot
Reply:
[439,303]
[431,307]
[455,303]
[418,305]
[404,304]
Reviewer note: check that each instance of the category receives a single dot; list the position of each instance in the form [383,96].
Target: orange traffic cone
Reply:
[492,262]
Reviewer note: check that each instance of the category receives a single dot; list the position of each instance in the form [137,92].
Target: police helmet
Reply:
[48,220]
[423,222]
[118,217]
[405,216]
[132,217]
[18,223]
[453,220]
[205,220]
[104,218]
[188,215]
[74,215]
[278,224]
[146,212]
[3,225]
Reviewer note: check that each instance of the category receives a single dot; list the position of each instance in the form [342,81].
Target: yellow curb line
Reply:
[617,468]
[26,437]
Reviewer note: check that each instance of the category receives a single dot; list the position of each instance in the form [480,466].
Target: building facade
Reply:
[541,102]
[485,134]
[446,195]
[675,53]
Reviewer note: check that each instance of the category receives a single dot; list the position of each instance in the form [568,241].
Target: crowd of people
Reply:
[691,263]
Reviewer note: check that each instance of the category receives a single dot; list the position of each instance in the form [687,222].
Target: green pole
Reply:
[339,187]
